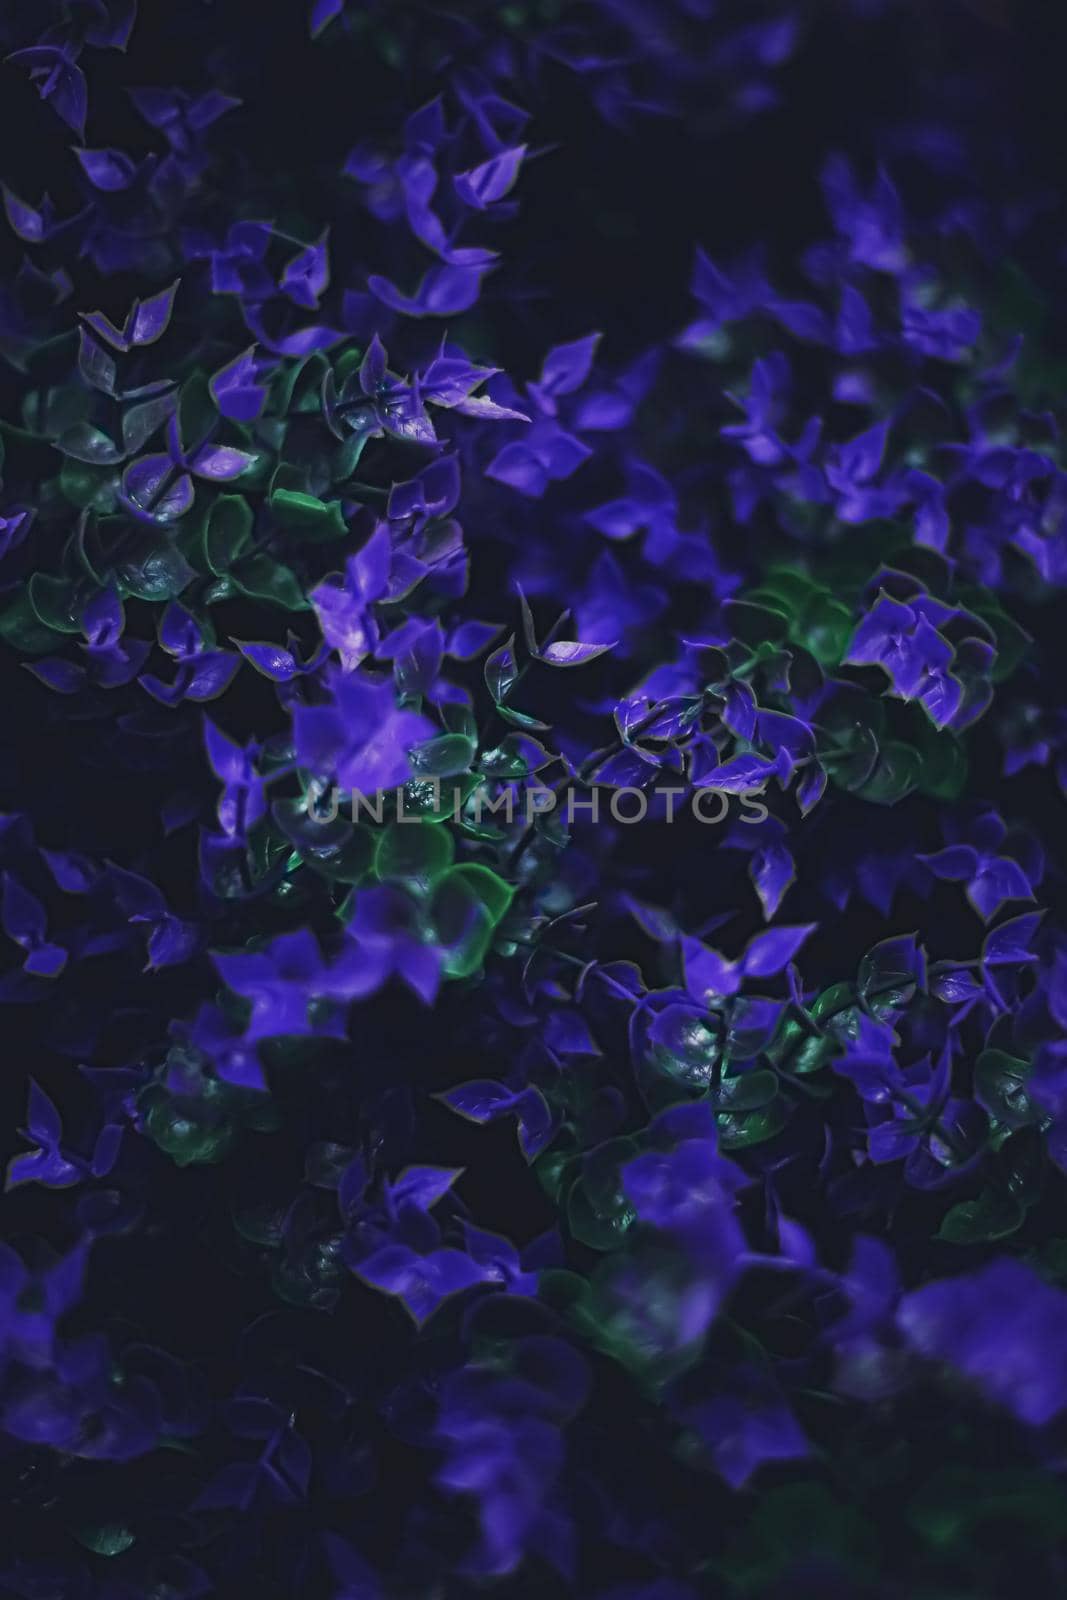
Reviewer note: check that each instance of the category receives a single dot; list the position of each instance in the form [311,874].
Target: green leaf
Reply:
[435,801]
[159,572]
[598,1212]
[799,1048]
[784,590]
[886,977]
[746,1091]
[347,456]
[742,1130]
[824,627]
[756,625]
[999,1086]
[515,757]
[467,903]
[492,891]
[415,854]
[461,925]
[86,486]
[227,532]
[189,1140]
[197,416]
[502,671]
[522,719]
[105,1539]
[83,442]
[308,515]
[444,757]
[992,1216]
[55,602]
[896,774]
[23,629]
[786,1525]
[263,578]
[943,774]
[692,1056]
[339,850]
[605,1230]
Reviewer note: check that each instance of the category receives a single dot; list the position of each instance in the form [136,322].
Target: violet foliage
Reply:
[538,1179]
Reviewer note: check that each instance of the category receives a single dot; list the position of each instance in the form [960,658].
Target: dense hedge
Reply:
[531,551]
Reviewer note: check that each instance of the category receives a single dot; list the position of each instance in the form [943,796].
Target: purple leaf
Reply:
[95,365]
[171,942]
[443,292]
[306,276]
[567,366]
[210,674]
[424,1186]
[45,961]
[21,913]
[27,223]
[152,491]
[772,870]
[269,659]
[64,677]
[1010,943]
[469,639]
[73,872]
[772,951]
[109,170]
[480,1100]
[323,13]
[150,317]
[373,367]
[481,186]
[569,653]
[235,391]
[220,462]
[747,774]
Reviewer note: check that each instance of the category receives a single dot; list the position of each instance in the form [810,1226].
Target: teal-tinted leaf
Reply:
[459,718]
[824,627]
[306,514]
[943,773]
[514,757]
[435,801]
[416,854]
[105,1539]
[890,973]
[159,571]
[494,893]
[501,671]
[140,422]
[266,579]
[800,1048]
[755,625]
[1000,1087]
[992,1216]
[895,775]
[23,629]
[83,442]
[461,923]
[522,719]
[600,1230]
[741,1130]
[56,602]
[747,1091]
[467,903]
[95,365]
[87,486]
[227,531]
[444,757]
